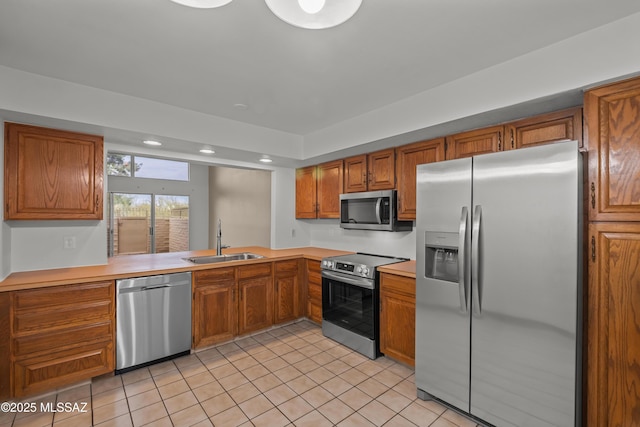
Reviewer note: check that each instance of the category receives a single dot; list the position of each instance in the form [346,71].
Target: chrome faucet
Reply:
[219,245]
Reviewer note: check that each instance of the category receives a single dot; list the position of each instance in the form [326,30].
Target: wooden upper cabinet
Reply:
[382,170]
[52,174]
[472,143]
[356,175]
[565,125]
[370,172]
[612,115]
[408,157]
[330,184]
[306,186]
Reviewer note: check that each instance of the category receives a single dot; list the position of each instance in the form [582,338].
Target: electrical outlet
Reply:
[69,242]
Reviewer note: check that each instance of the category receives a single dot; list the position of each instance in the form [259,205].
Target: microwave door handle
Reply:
[378,208]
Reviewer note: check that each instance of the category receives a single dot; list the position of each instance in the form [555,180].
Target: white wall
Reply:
[241,199]
[601,54]
[286,231]
[38,245]
[197,188]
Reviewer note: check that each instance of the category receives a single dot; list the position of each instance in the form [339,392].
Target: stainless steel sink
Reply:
[211,259]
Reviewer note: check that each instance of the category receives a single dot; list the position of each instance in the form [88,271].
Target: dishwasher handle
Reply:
[128,290]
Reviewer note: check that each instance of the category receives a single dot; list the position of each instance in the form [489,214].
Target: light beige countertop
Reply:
[152,264]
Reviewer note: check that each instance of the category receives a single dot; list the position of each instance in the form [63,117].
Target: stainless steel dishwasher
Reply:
[153,319]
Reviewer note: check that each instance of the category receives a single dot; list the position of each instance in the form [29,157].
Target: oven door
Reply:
[351,303]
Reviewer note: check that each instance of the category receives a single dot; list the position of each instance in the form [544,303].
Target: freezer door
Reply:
[525,286]
[442,286]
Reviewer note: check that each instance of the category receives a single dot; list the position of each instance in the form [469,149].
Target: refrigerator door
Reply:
[525,286]
[442,281]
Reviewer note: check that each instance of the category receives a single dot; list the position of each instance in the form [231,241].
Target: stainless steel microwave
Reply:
[371,210]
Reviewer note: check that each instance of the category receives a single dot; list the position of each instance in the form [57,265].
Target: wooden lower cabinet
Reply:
[613,332]
[61,335]
[231,301]
[398,317]
[314,291]
[215,314]
[286,296]
[255,287]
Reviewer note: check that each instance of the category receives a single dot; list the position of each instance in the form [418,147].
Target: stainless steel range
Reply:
[351,300]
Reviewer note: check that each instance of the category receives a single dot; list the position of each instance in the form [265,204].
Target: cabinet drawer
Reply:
[257,270]
[40,320]
[58,369]
[210,277]
[313,266]
[287,267]
[315,292]
[63,338]
[314,311]
[63,295]
[399,284]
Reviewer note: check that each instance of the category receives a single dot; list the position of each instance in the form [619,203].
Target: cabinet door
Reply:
[398,318]
[215,314]
[306,192]
[286,292]
[51,174]
[256,304]
[329,189]
[613,139]
[215,306]
[382,170]
[480,141]
[565,125]
[407,158]
[314,291]
[613,332]
[355,174]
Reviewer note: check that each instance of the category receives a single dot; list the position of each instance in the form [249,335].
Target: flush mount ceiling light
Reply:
[202,4]
[151,142]
[266,159]
[314,14]
[207,151]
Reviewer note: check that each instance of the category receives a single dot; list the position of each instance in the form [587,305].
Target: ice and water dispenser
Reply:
[441,255]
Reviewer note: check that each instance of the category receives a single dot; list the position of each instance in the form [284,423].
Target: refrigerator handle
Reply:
[462,255]
[475,260]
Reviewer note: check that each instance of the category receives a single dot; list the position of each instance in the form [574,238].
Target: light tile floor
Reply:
[289,376]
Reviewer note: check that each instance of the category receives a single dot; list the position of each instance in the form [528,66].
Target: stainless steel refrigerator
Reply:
[498,287]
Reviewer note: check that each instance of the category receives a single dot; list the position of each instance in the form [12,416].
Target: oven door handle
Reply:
[355,281]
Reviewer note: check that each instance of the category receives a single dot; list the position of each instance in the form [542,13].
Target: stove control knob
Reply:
[365,271]
[359,270]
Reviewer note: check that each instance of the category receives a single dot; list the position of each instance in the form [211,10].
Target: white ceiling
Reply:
[292,80]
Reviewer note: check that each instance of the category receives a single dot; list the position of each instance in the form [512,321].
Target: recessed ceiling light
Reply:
[202,4]
[240,106]
[152,142]
[266,160]
[207,151]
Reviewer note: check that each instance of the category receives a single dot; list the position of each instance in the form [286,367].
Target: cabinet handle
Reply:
[593,249]
[233,295]
[593,195]
[364,178]
[513,142]
[97,200]
[499,141]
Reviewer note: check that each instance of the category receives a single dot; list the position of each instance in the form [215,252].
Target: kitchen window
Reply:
[147,223]
[119,164]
